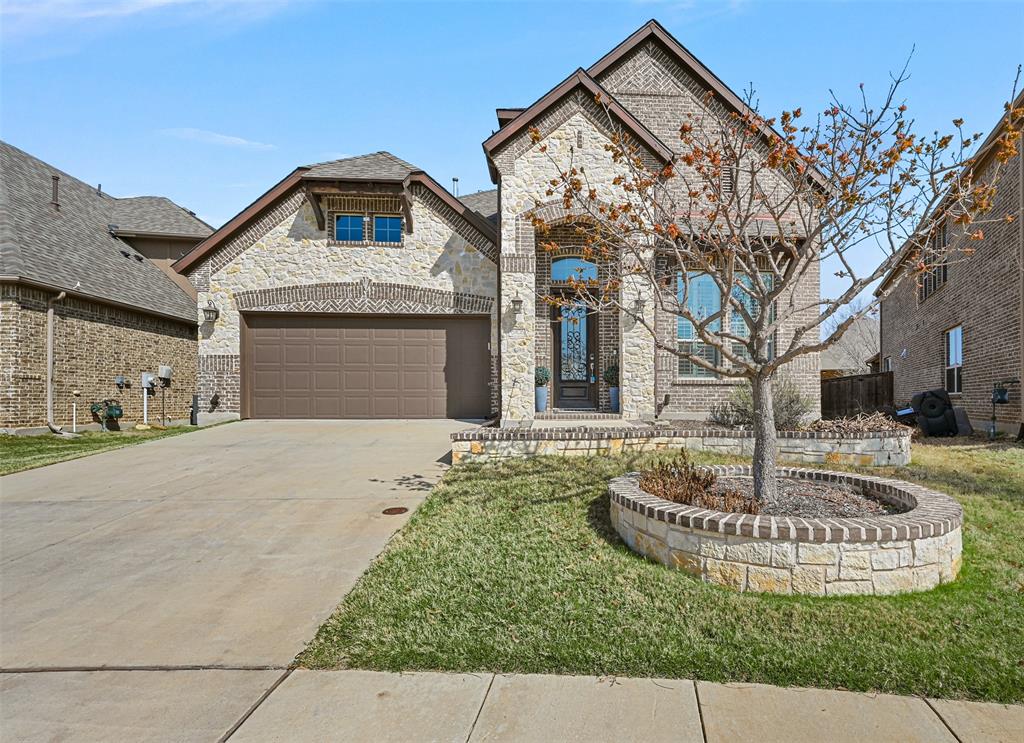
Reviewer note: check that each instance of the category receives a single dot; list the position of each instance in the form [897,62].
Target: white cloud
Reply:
[32,18]
[207,137]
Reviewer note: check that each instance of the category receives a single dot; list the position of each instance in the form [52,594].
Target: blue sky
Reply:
[211,103]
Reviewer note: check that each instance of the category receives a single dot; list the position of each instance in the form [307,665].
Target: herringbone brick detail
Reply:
[364,296]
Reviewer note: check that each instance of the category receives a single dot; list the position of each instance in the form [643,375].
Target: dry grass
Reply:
[680,481]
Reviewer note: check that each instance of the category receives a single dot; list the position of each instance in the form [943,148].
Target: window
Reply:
[703,300]
[738,326]
[387,229]
[348,227]
[887,364]
[936,276]
[577,269]
[954,359]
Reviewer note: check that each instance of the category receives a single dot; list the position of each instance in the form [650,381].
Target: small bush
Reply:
[541,376]
[790,406]
[680,481]
[611,375]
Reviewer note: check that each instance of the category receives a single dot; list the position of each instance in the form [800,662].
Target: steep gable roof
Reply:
[654,31]
[484,203]
[377,167]
[578,79]
[72,247]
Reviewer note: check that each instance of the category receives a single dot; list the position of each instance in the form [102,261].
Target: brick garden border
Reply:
[911,551]
[874,448]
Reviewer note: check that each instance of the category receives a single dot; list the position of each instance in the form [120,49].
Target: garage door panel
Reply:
[321,366]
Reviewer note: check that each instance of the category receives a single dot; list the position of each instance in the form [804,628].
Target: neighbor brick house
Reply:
[362,288]
[101,267]
[960,326]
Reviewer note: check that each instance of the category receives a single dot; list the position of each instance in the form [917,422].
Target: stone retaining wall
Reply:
[912,551]
[864,449]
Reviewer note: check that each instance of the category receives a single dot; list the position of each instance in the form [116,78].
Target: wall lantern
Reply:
[210,312]
[517,307]
[638,306]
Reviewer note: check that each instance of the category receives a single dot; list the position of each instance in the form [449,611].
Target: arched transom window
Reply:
[574,268]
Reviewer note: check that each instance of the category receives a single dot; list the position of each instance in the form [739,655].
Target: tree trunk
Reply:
[766,488]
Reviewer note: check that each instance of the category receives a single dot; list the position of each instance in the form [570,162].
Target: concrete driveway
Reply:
[148,572]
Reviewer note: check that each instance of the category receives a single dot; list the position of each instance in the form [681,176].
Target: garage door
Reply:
[306,366]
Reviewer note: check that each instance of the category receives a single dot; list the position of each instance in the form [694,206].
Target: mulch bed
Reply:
[806,499]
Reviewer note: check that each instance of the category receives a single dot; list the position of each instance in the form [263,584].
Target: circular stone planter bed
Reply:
[914,550]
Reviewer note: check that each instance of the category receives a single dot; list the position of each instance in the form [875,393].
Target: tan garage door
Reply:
[308,366]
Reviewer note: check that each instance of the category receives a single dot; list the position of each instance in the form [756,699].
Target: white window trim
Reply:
[946,366]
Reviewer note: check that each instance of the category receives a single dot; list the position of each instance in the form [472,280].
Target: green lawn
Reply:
[515,568]
[19,453]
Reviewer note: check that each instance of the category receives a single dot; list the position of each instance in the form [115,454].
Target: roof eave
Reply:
[36,284]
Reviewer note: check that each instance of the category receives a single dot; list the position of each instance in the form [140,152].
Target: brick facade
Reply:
[93,343]
[982,294]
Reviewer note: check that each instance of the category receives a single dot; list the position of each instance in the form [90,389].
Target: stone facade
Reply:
[659,92]
[983,295]
[913,551]
[283,262]
[867,449]
[93,343]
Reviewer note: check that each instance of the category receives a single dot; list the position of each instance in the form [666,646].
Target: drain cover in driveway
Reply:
[394,510]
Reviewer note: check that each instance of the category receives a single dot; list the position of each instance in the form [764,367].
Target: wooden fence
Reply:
[843,397]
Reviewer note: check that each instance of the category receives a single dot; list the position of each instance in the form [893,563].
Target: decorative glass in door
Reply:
[573,367]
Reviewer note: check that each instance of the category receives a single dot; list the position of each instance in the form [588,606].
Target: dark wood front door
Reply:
[574,348]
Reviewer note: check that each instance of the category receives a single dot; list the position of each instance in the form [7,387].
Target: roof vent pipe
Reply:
[99,189]
[55,198]
[455,186]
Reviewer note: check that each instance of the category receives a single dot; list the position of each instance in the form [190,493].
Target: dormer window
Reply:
[387,229]
[348,227]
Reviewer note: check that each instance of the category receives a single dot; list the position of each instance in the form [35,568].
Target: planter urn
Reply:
[541,394]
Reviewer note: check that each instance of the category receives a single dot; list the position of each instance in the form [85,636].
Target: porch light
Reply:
[210,312]
[517,307]
[638,306]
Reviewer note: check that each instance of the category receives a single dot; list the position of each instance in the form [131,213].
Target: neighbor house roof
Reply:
[377,167]
[156,215]
[580,78]
[484,203]
[72,246]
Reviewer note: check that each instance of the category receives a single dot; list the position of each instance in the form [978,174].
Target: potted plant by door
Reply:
[611,378]
[541,377]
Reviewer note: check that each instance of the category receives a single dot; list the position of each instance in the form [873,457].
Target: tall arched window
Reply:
[572,267]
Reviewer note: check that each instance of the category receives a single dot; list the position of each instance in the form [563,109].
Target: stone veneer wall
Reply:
[912,551]
[575,127]
[93,343]
[490,444]
[283,262]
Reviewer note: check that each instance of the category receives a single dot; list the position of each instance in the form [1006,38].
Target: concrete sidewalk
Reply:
[366,705]
[369,706]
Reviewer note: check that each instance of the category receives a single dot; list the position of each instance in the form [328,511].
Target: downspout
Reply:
[49,361]
[1020,245]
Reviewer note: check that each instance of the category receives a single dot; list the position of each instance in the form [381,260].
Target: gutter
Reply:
[6,279]
[1020,244]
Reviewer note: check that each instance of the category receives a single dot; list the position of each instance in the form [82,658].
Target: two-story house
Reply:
[362,288]
[960,326]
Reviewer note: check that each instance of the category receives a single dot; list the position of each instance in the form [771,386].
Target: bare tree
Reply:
[751,209]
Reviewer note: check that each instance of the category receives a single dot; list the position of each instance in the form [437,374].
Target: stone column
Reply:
[636,369]
[517,339]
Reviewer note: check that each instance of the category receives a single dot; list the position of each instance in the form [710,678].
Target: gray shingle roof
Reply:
[157,214]
[71,248]
[484,203]
[380,166]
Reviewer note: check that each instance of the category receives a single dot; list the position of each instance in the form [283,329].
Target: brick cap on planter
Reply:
[583,433]
[931,513]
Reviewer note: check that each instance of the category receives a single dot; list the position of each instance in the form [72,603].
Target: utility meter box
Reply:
[148,380]
[164,372]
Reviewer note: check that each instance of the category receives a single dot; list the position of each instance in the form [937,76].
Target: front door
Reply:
[574,344]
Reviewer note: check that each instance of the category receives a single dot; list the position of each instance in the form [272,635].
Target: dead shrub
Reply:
[680,481]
